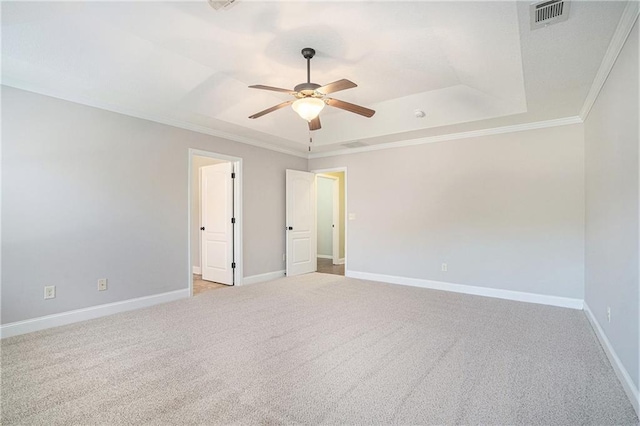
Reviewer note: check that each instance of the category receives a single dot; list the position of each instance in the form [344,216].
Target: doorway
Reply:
[215,230]
[301,212]
[330,202]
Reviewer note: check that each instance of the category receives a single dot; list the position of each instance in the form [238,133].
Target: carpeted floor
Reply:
[317,349]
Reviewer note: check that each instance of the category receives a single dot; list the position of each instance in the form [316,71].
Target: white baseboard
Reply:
[197,270]
[324,256]
[564,302]
[625,379]
[70,317]
[340,261]
[253,279]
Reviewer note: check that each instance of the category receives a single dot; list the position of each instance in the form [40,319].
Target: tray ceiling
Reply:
[465,64]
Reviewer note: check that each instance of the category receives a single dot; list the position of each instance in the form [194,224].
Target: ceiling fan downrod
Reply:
[308,53]
[307,89]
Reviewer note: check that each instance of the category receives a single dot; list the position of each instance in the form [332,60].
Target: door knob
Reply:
[290,228]
[202,228]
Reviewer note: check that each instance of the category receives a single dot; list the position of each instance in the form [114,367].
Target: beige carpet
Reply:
[317,349]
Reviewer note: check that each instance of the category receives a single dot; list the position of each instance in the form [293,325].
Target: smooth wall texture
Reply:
[89,194]
[197,163]
[503,211]
[611,139]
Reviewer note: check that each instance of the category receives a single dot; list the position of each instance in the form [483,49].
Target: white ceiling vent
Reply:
[548,12]
[354,144]
[224,4]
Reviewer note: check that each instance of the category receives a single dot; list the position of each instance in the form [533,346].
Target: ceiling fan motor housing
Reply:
[306,89]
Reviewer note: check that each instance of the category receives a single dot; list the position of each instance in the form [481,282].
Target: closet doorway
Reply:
[331,226]
[215,221]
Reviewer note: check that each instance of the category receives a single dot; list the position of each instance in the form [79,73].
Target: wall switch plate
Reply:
[102,284]
[50,292]
[608,314]
[284,257]
[352,216]
[444,267]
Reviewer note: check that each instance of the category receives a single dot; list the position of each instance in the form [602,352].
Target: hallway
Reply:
[326,266]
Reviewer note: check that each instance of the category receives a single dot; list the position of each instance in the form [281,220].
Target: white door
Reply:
[216,186]
[301,223]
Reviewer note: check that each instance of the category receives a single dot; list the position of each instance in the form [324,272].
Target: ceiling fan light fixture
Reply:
[308,108]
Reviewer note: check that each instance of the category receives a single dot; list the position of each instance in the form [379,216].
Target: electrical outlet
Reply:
[608,314]
[444,267]
[102,284]
[50,292]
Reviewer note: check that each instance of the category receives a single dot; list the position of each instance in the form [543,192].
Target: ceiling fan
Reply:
[310,98]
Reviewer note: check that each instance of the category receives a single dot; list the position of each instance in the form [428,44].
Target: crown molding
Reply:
[248,141]
[625,25]
[453,136]
[628,19]
[150,117]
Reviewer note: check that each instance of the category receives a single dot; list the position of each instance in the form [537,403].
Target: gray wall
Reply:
[611,139]
[197,163]
[503,211]
[89,194]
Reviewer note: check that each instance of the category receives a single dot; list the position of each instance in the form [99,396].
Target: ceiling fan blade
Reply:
[273,89]
[273,108]
[315,124]
[350,107]
[336,86]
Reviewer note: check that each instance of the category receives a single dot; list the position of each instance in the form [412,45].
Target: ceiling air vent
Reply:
[224,4]
[548,12]
[354,144]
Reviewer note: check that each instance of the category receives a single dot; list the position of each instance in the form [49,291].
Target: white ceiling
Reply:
[467,65]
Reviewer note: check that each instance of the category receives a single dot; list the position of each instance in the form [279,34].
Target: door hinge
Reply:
[233,265]
[233,175]
[233,220]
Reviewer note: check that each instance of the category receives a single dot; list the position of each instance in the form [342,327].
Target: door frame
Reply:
[335,215]
[237,212]
[346,206]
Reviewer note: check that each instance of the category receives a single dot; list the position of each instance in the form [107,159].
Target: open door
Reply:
[301,222]
[217,224]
